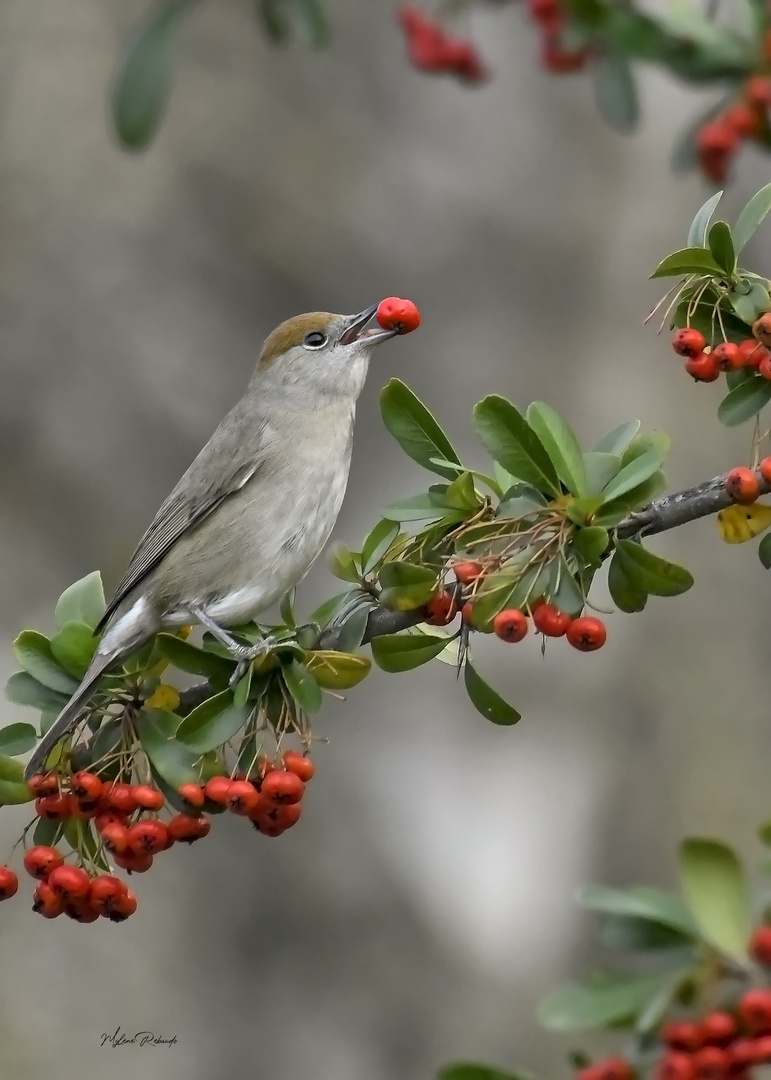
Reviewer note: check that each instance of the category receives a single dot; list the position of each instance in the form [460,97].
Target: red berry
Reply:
[192,794]
[134,861]
[703,368]
[751,352]
[242,797]
[149,798]
[441,609]
[299,765]
[216,789]
[550,621]
[510,625]
[282,787]
[765,469]
[147,837]
[755,1011]
[44,784]
[46,902]
[86,786]
[70,882]
[718,1028]
[688,342]
[727,356]
[399,315]
[760,942]
[467,613]
[764,367]
[39,861]
[675,1066]
[757,91]
[123,907]
[743,1052]
[467,572]
[115,837]
[188,829]
[743,119]
[559,60]
[591,1072]
[547,13]
[587,633]
[105,891]
[120,797]
[54,807]
[80,911]
[717,138]
[9,883]
[742,485]
[711,1063]
[615,1068]
[763,1050]
[681,1035]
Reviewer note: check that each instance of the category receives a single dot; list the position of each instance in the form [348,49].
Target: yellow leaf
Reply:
[738,524]
[165,697]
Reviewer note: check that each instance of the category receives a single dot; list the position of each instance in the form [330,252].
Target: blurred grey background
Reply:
[425,902]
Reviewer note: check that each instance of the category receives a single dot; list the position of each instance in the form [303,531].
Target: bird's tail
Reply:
[67,718]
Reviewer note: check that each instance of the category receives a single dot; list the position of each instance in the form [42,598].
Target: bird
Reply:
[252,512]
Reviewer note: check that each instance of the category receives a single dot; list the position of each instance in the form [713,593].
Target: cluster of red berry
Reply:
[706,365]
[430,48]
[723,1045]
[550,17]
[119,811]
[585,633]
[719,140]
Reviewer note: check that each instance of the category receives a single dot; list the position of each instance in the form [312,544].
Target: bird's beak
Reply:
[355,331]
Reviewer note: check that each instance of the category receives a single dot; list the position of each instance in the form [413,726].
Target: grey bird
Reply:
[255,508]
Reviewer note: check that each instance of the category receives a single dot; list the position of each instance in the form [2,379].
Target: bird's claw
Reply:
[247,654]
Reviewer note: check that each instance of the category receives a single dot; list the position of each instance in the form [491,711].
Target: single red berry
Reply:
[299,765]
[760,942]
[83,810]
[216,789]
[188,829]
[70,882]
[441,609]
[115,837]
[46,902]
[86,786]
[44,784]
[80,911]
[467,572]
[105,891]
[590,1072]
[123,907]
[742,485]
[615,1068]
[54,807]
[717,138]
[727,356]
[744,119]
[270,817]
[148,837]
[510,625]
[547,13]
[192,794]
[754,1011]
[711,1063]
[242,797]
[399,315]
[675,1066]
[757,91]
[120,797]
[718,1029]
[39,861]
[9,883]
[743,1053]
[587,633]
[703,368]
[763,1050]
[688,342]
[282,787]
[148,797]
[765,469]
[764,367]
[559,60]
[467,613]
[751,352]
[681,1035]
[135,862]
[548,620]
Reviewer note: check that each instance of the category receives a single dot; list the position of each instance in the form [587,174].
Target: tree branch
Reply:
[660,515]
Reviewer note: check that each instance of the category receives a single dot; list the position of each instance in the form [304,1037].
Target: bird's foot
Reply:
[247,654]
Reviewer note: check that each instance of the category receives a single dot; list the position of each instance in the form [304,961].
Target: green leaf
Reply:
[33,652]
[640,902]
[302,686]
[83,602]
[73,647]
[143,83]
[468,1071]
[626,593]
[578,1007]
[697,233]
[47,833]
[286,608]
[600,469]
[568,596]
[414,428]
[485,700]
[107,740]
[187,657]
[11,771]
[331,608]
[643,443]
[752,217]
[272,16]
[744,402]
[650,572]
[520,499]
[13,794]
[212,723]
[560,444]
[377,544]
[749,305]
[722,247]
[615,90]
[715,889]
[17,739]
[313,21]
[508,437]
[643,493]
[639,935]
[618,439]
[350,634]
[462,495]
[687,261]
[337,670]
[403,652]
[22,689]
[591,543]
[611,514]
[633,474]
[423,507]
[764,551]
[342,563]
[406,586]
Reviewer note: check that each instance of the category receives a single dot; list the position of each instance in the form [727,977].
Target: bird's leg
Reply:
[244,654]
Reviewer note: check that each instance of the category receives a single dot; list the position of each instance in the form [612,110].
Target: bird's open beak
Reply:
[355,331]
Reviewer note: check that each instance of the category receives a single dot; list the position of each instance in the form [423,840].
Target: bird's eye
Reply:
[315,340]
